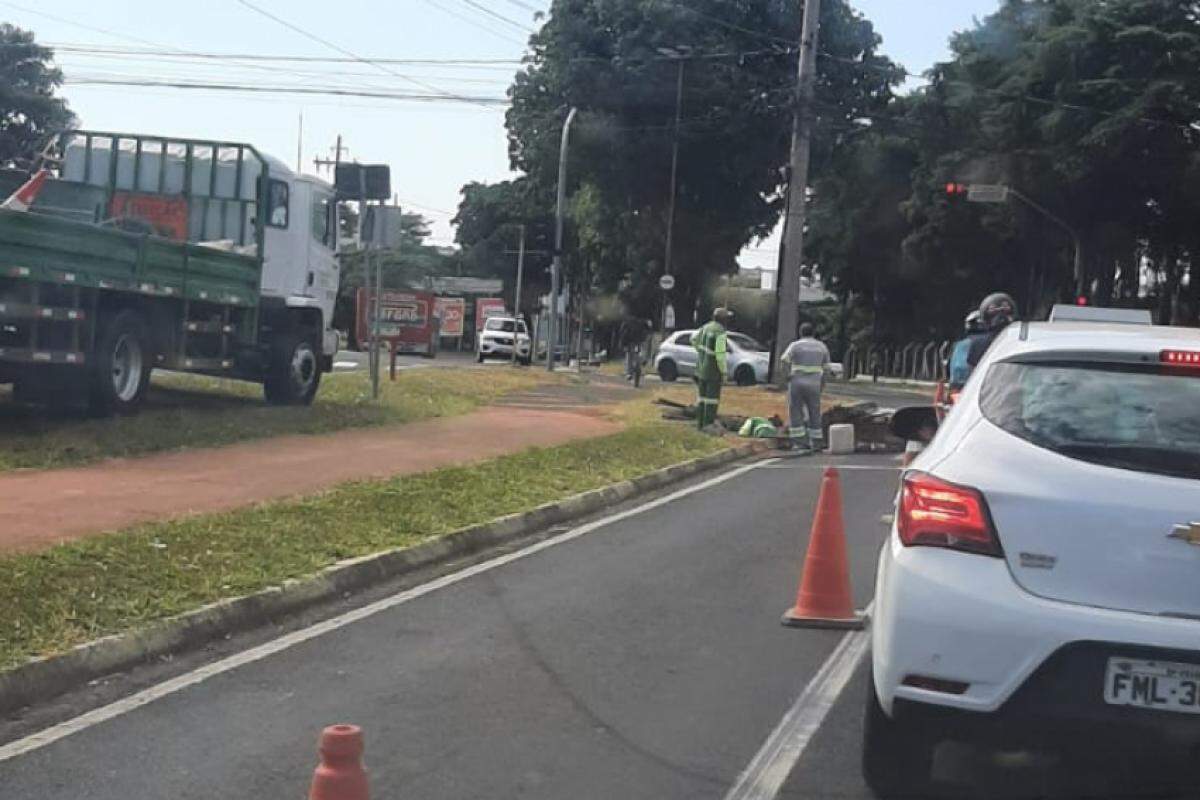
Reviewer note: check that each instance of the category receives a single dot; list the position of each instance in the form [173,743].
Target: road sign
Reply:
[987,193]
[666,283]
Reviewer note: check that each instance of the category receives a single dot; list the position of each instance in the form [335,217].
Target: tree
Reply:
[1089,108]
[618,61]
[29,110]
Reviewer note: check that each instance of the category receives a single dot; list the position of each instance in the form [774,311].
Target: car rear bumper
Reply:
[958,617]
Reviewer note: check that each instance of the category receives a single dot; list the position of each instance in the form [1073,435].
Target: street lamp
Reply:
[999,193]
[556,264]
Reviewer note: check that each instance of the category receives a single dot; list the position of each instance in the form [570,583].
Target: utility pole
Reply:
[326,163]
[556,265]
[300,145]
[793,242]
[667,263]
[517,297]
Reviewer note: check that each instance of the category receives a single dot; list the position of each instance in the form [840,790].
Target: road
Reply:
[638,655]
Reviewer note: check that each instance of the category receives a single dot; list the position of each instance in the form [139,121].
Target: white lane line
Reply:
[841,467]
[771,766]
[146,696]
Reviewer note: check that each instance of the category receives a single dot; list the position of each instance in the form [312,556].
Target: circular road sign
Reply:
[666,283]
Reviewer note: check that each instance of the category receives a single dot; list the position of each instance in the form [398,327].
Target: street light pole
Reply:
[667,263]
[517,297]
[556,265]
[1076,240]
[793,242]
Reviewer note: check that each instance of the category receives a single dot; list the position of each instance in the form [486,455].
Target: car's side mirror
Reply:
[915,423]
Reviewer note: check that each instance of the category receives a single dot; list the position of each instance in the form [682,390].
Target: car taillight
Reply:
[1180,358]
[934,513]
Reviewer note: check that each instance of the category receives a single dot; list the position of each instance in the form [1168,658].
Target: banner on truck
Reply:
[167,216]
[487,307]
[452,310]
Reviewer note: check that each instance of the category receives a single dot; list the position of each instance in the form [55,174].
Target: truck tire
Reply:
[120,365]
[294,374]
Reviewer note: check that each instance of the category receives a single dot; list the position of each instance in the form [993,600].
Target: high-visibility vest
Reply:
[710,344]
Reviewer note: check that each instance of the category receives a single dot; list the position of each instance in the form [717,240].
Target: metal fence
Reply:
[915,361]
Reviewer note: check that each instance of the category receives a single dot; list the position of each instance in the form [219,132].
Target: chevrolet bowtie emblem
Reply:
[1189,533]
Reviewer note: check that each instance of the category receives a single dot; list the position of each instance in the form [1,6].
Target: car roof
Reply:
[1096,338]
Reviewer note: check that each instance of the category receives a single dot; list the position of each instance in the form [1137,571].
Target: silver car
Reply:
[748,360]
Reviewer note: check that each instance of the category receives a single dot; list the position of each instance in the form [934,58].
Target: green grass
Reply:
[187,411]
[107,584]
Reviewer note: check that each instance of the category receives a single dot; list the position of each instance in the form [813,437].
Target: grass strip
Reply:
[107,584]
[189,411]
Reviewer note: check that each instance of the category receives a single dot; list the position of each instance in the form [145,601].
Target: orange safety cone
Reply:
[23,198]
[824,599]
[340,775]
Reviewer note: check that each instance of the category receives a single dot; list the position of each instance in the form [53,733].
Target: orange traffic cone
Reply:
[824,599]
[23,197]
[340,775]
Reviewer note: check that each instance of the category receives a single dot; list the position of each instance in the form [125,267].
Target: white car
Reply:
[1041,581]
[747,359]
[496,340]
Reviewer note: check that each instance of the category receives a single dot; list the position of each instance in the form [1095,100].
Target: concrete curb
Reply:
[44,678]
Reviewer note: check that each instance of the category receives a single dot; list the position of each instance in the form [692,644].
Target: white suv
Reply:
[496,340]
[747,359]
[1041,581]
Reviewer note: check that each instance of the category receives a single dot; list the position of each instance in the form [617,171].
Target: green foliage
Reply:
[606,58]
[1088,108]
[29,111]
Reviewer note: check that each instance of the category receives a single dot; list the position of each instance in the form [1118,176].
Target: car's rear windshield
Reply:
[1129,417]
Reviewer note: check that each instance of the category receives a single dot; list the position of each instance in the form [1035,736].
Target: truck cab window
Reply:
[323,220]
[277,204]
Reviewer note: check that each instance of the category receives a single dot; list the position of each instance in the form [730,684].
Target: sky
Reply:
[433,147]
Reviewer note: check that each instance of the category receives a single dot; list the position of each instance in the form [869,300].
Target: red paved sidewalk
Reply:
[39,509]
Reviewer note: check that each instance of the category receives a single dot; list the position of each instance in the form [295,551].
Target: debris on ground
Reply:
[871,431]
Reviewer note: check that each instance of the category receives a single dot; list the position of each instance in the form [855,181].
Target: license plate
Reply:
[1162,685]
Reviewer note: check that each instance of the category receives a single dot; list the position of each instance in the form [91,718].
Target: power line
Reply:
[126,37]
[340,49]
[474,23]
[526,6]
[496,15]
[332,91]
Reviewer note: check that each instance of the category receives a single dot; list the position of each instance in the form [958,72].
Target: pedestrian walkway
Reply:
[43,508]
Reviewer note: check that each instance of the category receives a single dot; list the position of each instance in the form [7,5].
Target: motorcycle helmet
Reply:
[997,310]
[972,324]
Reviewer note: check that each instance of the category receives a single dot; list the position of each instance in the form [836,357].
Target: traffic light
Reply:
[1082,300]
[957,189]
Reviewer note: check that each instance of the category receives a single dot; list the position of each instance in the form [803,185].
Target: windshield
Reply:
[505,325]
[1125,417]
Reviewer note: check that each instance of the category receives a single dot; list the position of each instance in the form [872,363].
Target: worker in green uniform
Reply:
[711,366]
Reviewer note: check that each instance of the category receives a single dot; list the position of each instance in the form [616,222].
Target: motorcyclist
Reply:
[995,313]
[960,369]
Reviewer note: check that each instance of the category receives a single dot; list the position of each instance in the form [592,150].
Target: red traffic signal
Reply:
[1081,300]
[956,189]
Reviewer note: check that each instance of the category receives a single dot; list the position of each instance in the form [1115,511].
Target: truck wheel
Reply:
[294,374]
[121,365]
[897,758]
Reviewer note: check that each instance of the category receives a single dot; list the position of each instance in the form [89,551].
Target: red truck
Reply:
[407,322]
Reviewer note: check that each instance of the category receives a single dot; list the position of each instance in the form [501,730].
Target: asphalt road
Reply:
[644,659]
[636,655]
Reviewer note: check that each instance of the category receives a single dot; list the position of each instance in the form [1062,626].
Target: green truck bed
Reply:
[39,247]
